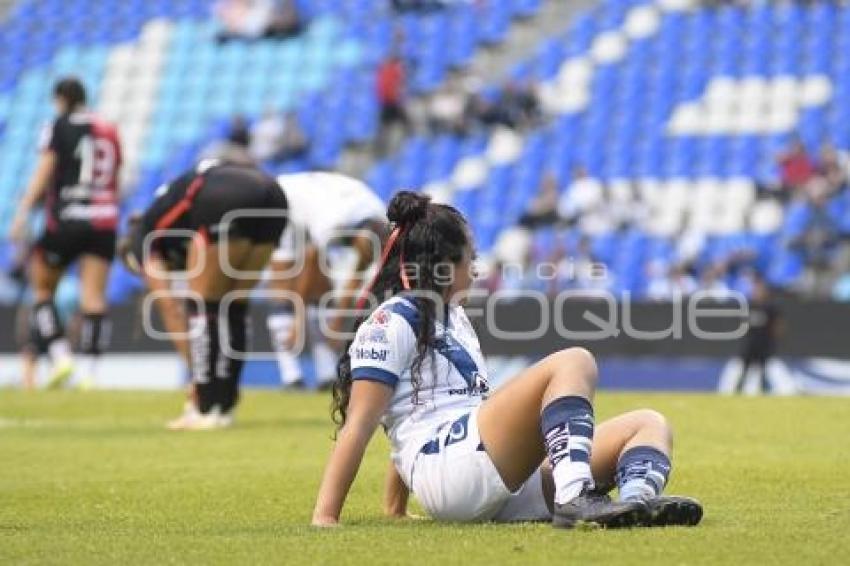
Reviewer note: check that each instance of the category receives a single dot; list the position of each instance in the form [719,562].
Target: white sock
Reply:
[324,358]
[60,351]
[570,478]
[280,326]
[567,427]
[325,361]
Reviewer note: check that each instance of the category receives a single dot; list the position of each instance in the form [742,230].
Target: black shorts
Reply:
[254,211]
[393,112]
[68,241]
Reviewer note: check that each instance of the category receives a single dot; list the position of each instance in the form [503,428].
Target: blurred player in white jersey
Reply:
[329,213]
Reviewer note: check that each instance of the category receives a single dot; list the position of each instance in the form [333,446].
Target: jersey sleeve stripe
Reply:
[374,374]
[408,312]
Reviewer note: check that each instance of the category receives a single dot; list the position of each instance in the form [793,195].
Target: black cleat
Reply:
[673,510]
[594,510]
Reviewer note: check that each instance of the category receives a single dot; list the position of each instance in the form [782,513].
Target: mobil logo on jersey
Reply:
[371,354]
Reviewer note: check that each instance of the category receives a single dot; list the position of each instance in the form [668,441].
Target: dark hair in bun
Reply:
[431,235]
[407,207]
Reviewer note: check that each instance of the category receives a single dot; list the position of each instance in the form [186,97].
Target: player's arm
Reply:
[34,192]
[395,494]
[369,400]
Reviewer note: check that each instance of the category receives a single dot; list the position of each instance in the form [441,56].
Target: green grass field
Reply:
[94,479]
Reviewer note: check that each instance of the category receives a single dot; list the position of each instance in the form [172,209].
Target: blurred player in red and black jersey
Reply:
[215,227]
[77,178]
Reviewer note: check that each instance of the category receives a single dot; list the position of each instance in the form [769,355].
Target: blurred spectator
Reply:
[515,106]
[759,345]
[542,211]
[713,282]
[796,167]
[449,109]
[235,147]
[520,106]
[584,271]
[666,284]
[278,137]
[834,165]
[624,208]
[584,196]
[391,85]
[818,241]
[285,21]
[402,6]
[841,290]
[253,19]
[818,244]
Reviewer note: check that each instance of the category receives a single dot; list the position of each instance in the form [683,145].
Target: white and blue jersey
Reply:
[453,380]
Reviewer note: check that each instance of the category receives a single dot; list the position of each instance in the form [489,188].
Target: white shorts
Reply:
[455,480]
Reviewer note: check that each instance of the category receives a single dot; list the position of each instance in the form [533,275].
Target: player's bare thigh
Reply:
[208,276]
[509,421]
[252,266]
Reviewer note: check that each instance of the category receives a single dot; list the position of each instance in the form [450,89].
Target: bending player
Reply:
[223,258]
[326,210]
[77,174]
[530,451]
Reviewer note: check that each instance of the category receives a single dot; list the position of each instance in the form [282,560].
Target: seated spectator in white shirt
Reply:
[713,282]
[253,19]
[541,210]
[246,19]
[583,194]
[278,137]
[666,284]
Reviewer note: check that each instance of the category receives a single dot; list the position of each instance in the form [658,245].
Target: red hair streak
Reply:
[388,247]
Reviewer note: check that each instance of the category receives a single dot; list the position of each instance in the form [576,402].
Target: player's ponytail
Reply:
[425,237]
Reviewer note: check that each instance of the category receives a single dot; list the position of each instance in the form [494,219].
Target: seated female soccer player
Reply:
[530,451]
[202,203]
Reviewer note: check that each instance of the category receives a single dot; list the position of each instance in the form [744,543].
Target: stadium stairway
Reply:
[5,7]
[493,61]
[525,36]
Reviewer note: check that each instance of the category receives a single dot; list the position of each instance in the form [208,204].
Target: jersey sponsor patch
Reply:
[374,335]
[380,317]
[371,354]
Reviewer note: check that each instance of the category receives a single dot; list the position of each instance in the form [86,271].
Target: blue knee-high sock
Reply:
[642,473]
[567,426]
